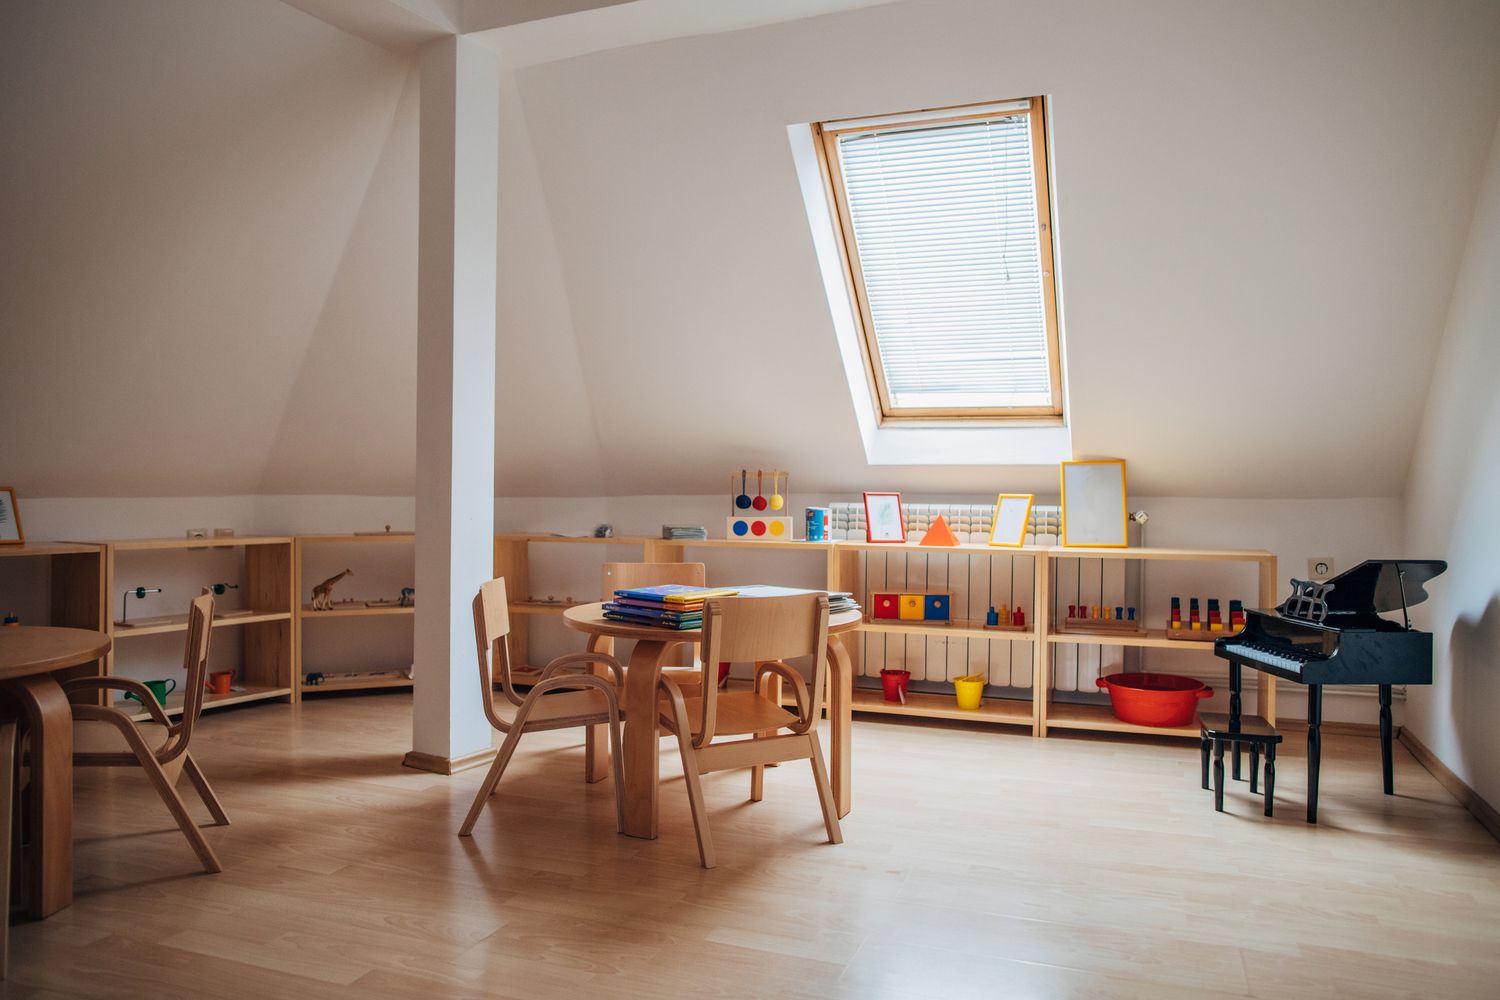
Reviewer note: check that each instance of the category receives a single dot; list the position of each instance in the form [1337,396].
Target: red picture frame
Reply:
[881,515]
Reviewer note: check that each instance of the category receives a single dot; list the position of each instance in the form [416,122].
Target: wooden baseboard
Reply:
[448,765]
[1466,796]
[1368,729]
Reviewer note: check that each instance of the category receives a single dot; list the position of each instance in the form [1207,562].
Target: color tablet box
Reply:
[884,605]
[936,607]
[913,607]
[754,528]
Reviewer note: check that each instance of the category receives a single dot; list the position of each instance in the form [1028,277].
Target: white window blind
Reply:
[945,222]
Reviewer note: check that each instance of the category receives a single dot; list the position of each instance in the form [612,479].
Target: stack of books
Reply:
[670,605]
[839,600]
[683,533]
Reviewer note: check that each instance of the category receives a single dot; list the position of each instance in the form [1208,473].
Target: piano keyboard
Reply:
[1276,656]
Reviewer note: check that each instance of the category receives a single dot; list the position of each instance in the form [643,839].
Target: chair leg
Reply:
[205,791]
[7,801]
[1254,768]
[617,757]
[1203,752]
[825,793]
[492,777]
[757,783]
[694,785]
[173,802]
[1219,775]
[1270,777]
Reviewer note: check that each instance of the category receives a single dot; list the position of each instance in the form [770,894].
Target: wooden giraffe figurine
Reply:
[322,594]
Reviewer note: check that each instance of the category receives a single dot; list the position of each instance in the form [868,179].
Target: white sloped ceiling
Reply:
[178,183]
[207,272]
[1261,208]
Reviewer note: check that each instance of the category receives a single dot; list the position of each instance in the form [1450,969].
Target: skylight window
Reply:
[947,237]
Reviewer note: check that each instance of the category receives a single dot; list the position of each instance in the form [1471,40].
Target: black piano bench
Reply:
[1253,731]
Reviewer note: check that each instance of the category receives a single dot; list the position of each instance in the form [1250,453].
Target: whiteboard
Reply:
[1093,503]
[1011,513]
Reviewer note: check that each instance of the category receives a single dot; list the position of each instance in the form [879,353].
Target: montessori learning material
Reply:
[748,520]
[1194,627]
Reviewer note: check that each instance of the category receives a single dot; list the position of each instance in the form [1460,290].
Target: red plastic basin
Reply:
[1161,700]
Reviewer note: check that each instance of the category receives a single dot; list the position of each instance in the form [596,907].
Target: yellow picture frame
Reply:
[1009,508]
[1088,508]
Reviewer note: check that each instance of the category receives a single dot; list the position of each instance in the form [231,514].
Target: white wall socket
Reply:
[197,532]
[1320,567]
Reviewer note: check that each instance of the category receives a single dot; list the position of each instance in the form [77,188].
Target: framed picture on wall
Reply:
[10,518]
[1094,513]
[883,521]
[1008,526]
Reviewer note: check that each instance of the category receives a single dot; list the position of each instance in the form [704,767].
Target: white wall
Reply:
[1453,513]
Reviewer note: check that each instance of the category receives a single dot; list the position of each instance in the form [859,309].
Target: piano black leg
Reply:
[1270,777]
[1203,751]
[1234,711]
[1314,747]
[1386,764]
[1218,775]
[1254,768]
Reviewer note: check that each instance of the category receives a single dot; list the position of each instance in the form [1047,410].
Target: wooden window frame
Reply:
[825,142]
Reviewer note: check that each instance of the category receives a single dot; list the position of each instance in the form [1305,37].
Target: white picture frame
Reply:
[1095,513]
[883,521]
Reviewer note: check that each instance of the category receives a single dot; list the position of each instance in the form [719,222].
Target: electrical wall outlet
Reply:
[1320,567]
[197,533]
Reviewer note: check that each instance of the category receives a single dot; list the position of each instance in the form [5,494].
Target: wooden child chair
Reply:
[159,747]
[583,699]
[766,631]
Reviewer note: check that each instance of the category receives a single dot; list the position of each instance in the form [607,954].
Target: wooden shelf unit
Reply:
[512,560]
[265,634]
[305,614]
[842,560]
[244,693]
[1099,718]
[76,594]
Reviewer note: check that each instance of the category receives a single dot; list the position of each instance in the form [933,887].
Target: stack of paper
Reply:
[682,533]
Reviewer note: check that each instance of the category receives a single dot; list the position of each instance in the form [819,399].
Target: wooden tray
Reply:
[1186,634]
[1104,626]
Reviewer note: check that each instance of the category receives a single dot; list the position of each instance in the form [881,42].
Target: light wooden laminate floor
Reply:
[977,864]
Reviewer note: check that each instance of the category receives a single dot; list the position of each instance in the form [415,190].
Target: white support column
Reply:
[456,259]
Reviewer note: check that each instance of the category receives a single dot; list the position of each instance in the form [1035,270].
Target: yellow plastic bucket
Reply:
[969,691]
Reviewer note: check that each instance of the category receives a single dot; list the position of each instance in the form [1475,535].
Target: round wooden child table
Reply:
[28,656]
[641,734]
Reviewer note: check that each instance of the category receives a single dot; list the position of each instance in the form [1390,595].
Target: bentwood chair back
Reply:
[766,631]
[106,737]
[572,699]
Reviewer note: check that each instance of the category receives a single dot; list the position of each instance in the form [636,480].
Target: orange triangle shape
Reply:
[939,534]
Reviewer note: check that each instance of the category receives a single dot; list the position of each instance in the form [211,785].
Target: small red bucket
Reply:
[1160,700]
[895,682]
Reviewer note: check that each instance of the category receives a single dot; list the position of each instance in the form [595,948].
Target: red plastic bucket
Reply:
[1160,700]
[895,682]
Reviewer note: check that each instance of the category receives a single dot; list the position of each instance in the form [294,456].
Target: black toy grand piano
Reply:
[1333,633]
